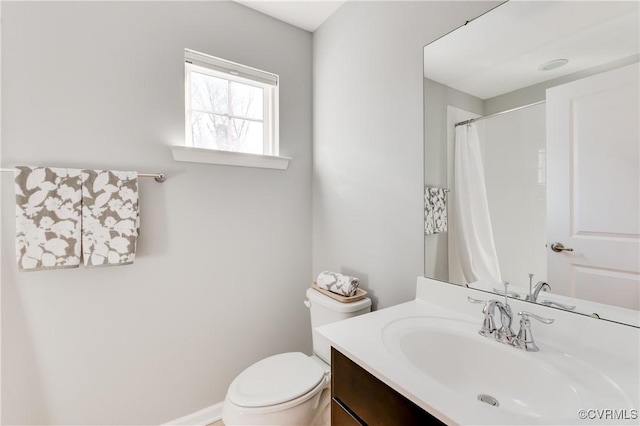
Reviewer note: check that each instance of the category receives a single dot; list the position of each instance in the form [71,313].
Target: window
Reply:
[230,108]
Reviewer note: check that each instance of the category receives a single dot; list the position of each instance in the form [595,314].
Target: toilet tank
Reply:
[325,310]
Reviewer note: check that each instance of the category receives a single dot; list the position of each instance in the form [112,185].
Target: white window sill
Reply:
[229,158]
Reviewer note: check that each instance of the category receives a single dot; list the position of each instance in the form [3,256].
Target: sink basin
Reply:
[548,384]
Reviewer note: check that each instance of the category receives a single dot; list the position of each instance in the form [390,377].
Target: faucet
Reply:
[543,286]
[540,286]
[504,334]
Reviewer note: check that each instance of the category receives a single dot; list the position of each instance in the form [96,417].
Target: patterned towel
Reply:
[435,210]
[337,283]
[110,217]
[47,218]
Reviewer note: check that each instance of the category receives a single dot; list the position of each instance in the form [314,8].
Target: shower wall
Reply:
[513,146]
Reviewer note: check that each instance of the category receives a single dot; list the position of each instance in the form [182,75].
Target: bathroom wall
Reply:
[224,255]
[368,178]
[437,99]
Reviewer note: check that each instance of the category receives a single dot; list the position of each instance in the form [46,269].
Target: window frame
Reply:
[242,74]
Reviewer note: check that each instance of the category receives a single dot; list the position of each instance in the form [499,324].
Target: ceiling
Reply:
[502,50]
[305,14]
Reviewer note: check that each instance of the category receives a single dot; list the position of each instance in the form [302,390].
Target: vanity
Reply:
[424,362]
[359,398]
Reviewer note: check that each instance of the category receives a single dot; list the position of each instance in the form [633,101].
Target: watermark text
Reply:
[607,414]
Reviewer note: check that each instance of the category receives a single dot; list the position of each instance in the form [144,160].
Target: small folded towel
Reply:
[110,218]
[435,210]
[47,217]
[337,283]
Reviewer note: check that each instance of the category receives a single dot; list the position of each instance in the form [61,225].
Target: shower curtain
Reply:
[473,233]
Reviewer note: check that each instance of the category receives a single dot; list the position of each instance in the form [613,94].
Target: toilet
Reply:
[291,388]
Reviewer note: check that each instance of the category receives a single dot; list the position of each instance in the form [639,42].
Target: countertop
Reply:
[361,339]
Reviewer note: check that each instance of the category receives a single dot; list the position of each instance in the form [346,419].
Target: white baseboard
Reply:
[206,416]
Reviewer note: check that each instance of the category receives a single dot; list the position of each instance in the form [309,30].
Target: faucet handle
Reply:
[524,340]
[511,293]
[488,323]
[472,300]
[559,305]
[526,315]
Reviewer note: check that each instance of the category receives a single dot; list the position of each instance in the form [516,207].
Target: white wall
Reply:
[438,98]
[368,217]
[516,191]
[224,255]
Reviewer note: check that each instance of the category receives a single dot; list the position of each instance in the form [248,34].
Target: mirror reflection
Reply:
[532,153]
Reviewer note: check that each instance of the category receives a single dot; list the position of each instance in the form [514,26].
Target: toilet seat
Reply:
[276,380]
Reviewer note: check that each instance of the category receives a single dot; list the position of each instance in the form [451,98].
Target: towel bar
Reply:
[159,177]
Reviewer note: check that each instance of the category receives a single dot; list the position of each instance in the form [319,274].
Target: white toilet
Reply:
[291,388]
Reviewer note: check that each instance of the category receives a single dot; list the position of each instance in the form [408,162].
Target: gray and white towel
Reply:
[110,218]
[48,213]
[337,283]
[435,210]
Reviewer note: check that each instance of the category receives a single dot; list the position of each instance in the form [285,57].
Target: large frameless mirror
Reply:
[532,152]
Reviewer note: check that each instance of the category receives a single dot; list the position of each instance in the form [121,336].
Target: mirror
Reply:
[532,143]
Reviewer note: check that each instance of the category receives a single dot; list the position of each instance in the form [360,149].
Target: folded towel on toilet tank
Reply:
[337,283]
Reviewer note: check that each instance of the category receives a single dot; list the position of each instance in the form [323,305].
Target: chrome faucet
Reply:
[504,334]
[534,292]
[540,286]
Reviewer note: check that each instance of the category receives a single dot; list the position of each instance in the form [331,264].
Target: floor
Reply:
[218,423]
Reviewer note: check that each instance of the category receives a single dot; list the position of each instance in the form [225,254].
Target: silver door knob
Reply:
[558,247]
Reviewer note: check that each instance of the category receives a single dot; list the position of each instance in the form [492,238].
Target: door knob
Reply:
[558,247]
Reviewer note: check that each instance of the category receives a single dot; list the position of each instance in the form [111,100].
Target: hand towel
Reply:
[435,210]
[47,217]
[110,217]
[337,283]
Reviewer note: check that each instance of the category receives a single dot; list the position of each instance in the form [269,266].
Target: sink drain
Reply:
[488,399]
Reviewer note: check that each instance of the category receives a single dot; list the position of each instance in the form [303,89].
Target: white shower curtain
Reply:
[472,230]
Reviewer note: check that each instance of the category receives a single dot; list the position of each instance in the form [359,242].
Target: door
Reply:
[593,188]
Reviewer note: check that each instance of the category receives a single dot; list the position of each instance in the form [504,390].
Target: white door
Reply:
[593,188]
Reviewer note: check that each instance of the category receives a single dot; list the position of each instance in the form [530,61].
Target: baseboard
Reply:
[206,416]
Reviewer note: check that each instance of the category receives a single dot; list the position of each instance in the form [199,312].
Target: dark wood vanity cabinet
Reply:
[359,398]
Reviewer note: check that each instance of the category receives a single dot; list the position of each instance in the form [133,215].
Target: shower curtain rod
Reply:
[159,177]
[497,113]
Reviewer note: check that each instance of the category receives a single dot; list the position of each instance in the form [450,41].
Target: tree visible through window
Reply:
[228,109]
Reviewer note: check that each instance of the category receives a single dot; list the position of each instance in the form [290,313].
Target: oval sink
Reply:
[547,384]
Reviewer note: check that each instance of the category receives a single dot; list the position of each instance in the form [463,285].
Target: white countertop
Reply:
[361,339]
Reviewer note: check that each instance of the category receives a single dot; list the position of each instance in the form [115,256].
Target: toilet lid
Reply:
[275,380]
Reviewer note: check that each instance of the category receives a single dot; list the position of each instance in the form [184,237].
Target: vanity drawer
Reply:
[341,417]
[369,399]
